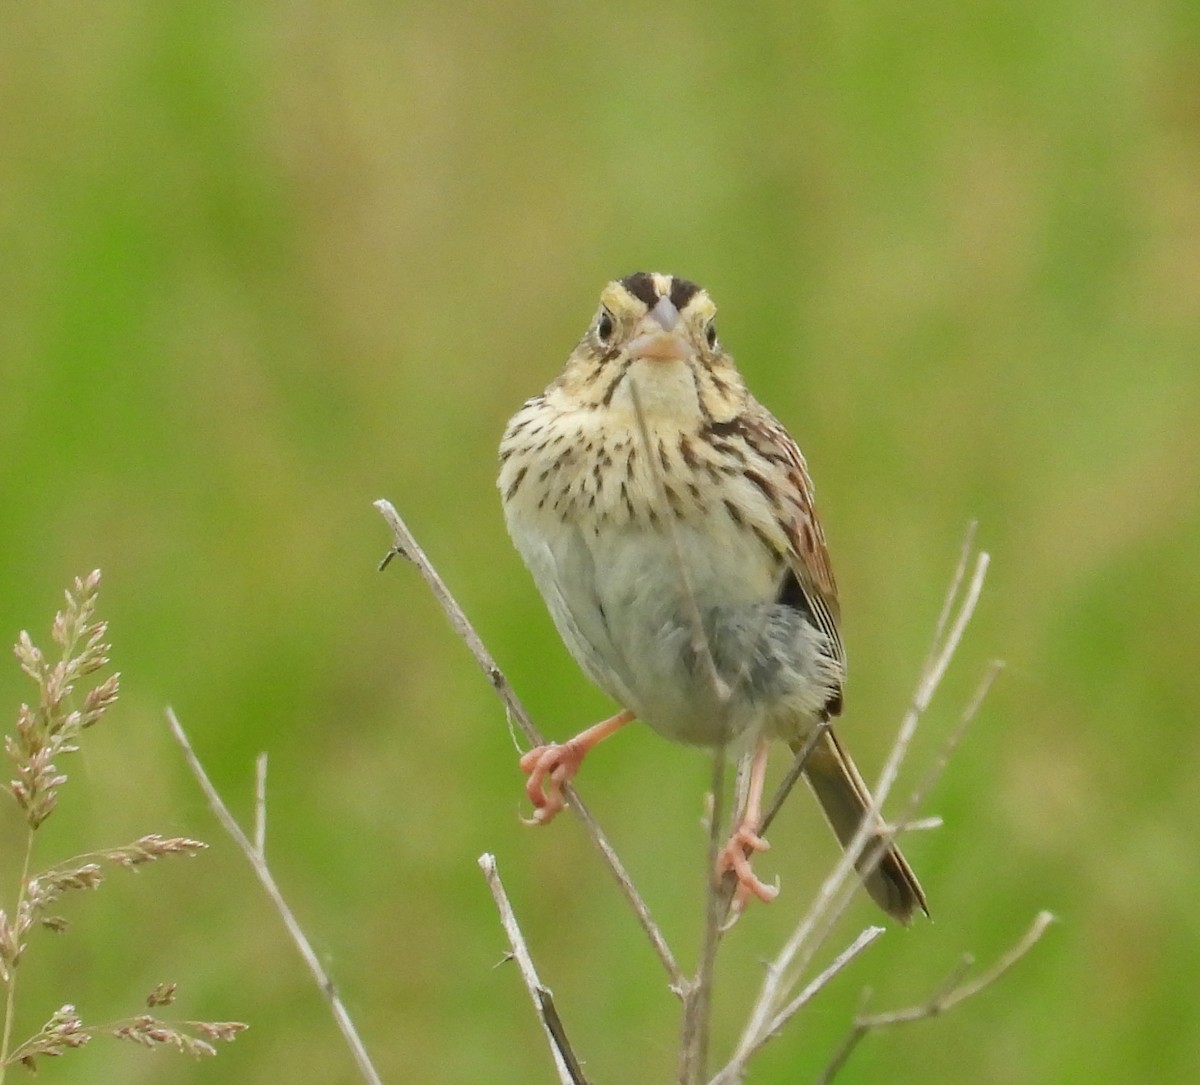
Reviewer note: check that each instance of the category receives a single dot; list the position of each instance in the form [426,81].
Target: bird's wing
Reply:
[808,556]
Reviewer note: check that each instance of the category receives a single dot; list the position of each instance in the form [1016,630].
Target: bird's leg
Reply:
[549,767]
[735,856]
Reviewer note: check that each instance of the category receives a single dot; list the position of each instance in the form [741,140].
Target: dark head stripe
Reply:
[641,285]
[682,292]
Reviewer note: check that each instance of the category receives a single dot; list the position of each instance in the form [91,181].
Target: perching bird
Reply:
[668,521]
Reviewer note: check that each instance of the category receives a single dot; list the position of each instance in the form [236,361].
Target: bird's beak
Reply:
[661,335]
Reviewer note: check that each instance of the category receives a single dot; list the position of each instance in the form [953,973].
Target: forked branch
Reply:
[836,892]
[946,997]
[405,545]
[258,863]
[782,995]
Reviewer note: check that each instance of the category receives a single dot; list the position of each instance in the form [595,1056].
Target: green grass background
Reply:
[264,263]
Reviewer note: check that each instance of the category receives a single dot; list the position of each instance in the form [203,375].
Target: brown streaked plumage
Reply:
[603,519]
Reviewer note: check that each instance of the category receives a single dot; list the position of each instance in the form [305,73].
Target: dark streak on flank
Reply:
[768,490]
[641,285]
[515,484]
[762,538]
[682,291]
[729,450]
[724,429]
[628,502]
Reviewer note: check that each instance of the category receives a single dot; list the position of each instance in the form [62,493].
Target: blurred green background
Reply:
[265,263]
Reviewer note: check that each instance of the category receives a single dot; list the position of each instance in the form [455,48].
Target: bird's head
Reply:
[658,333]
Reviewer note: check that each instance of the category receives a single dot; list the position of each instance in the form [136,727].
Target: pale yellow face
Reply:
[663,329]
[656,316]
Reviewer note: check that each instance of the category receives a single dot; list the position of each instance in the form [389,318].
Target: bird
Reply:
[667,519]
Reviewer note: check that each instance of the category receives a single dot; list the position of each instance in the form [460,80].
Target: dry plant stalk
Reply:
[782,995]
[945,998]
[255,853]
[565,1061]
[52,727]
[405,545]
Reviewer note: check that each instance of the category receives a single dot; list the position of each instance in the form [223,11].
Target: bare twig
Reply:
[697,1003]
[778,1001]
[951,744]
[868,844]
[960,570]
[948,995]
[822,979]
[793,774]
[260,804]
[697,1008]
[936,669]
[700,644]
[565,1062]
[694,1031]
[405,545]
[558,1034]
[259,865]
[733,1073]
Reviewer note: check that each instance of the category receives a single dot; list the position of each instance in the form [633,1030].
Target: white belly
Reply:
[627,548]
[621,606]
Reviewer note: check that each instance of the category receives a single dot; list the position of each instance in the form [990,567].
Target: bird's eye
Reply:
[604,326]
[710,334]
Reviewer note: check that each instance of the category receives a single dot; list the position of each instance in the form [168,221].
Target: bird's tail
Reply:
[844,798]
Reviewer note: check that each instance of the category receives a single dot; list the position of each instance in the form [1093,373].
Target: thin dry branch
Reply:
[935,650]
[558,1034]
[406,546]
[793,774]
[260,803]
[930,680]
[565,1062]
[838,889]
[819,983]
[735,1070]
[259,865]
[948,995]
[697,1002]
[697,999]
[934,773]
[778,1001]
[960,570]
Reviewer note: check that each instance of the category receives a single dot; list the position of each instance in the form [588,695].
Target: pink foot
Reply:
[549,768]
[735,858]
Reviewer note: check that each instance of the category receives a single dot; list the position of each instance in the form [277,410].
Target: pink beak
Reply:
[660,335]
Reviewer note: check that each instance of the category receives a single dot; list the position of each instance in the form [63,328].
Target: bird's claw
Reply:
[549,768]
[734,859]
